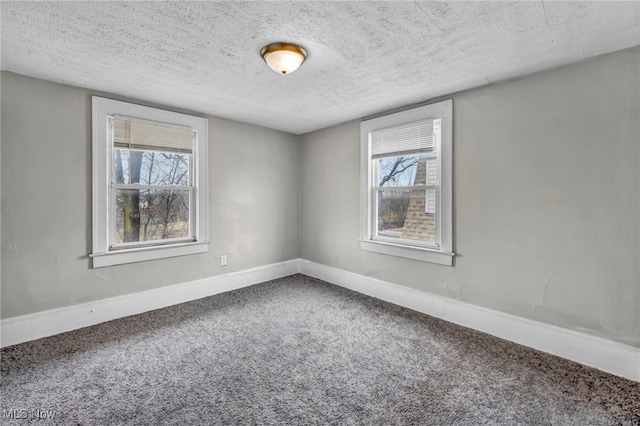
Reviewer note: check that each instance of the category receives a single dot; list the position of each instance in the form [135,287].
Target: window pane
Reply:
[404,214]
[397,171]
[151,167]
[147,215]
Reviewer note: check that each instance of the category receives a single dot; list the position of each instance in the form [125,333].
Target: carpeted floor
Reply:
[298,351]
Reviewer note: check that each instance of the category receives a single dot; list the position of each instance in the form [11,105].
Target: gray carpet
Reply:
[298,351]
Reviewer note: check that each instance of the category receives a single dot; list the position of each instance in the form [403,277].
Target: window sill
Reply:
[142,254]
[417,253]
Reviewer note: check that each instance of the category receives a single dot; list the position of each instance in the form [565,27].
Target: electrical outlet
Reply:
[223,260]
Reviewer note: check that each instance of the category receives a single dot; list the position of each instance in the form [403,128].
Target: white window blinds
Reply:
[411,138]
[145,135]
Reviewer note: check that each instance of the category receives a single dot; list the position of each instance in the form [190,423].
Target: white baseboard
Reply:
[603,354]
[48,323]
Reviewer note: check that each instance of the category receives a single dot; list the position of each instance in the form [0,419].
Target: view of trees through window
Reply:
[393,204]
[152,195]
[405,203]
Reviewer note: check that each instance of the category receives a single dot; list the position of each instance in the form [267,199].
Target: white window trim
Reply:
[101,163]
[444,254]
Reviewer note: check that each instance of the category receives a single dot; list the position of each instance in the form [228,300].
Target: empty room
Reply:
[297,213]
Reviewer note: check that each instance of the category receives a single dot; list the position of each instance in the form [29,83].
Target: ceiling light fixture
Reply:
[283,58]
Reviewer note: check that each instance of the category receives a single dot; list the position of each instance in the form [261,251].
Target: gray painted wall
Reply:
[546,200]
[46,202]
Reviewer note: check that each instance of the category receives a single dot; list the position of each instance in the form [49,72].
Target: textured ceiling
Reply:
[364,57]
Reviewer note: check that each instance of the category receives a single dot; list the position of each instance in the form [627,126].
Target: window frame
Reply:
[443,253]
[102,167]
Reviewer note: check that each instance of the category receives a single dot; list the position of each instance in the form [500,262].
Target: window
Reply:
[149,183]
[407,184]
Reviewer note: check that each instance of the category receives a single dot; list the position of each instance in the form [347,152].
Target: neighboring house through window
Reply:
[407,183]
[149,183]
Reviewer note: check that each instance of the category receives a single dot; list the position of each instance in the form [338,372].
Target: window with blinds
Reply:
[406,183]
[405,167]
[149,183]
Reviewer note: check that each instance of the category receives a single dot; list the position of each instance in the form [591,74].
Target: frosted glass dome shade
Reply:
[283,58]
